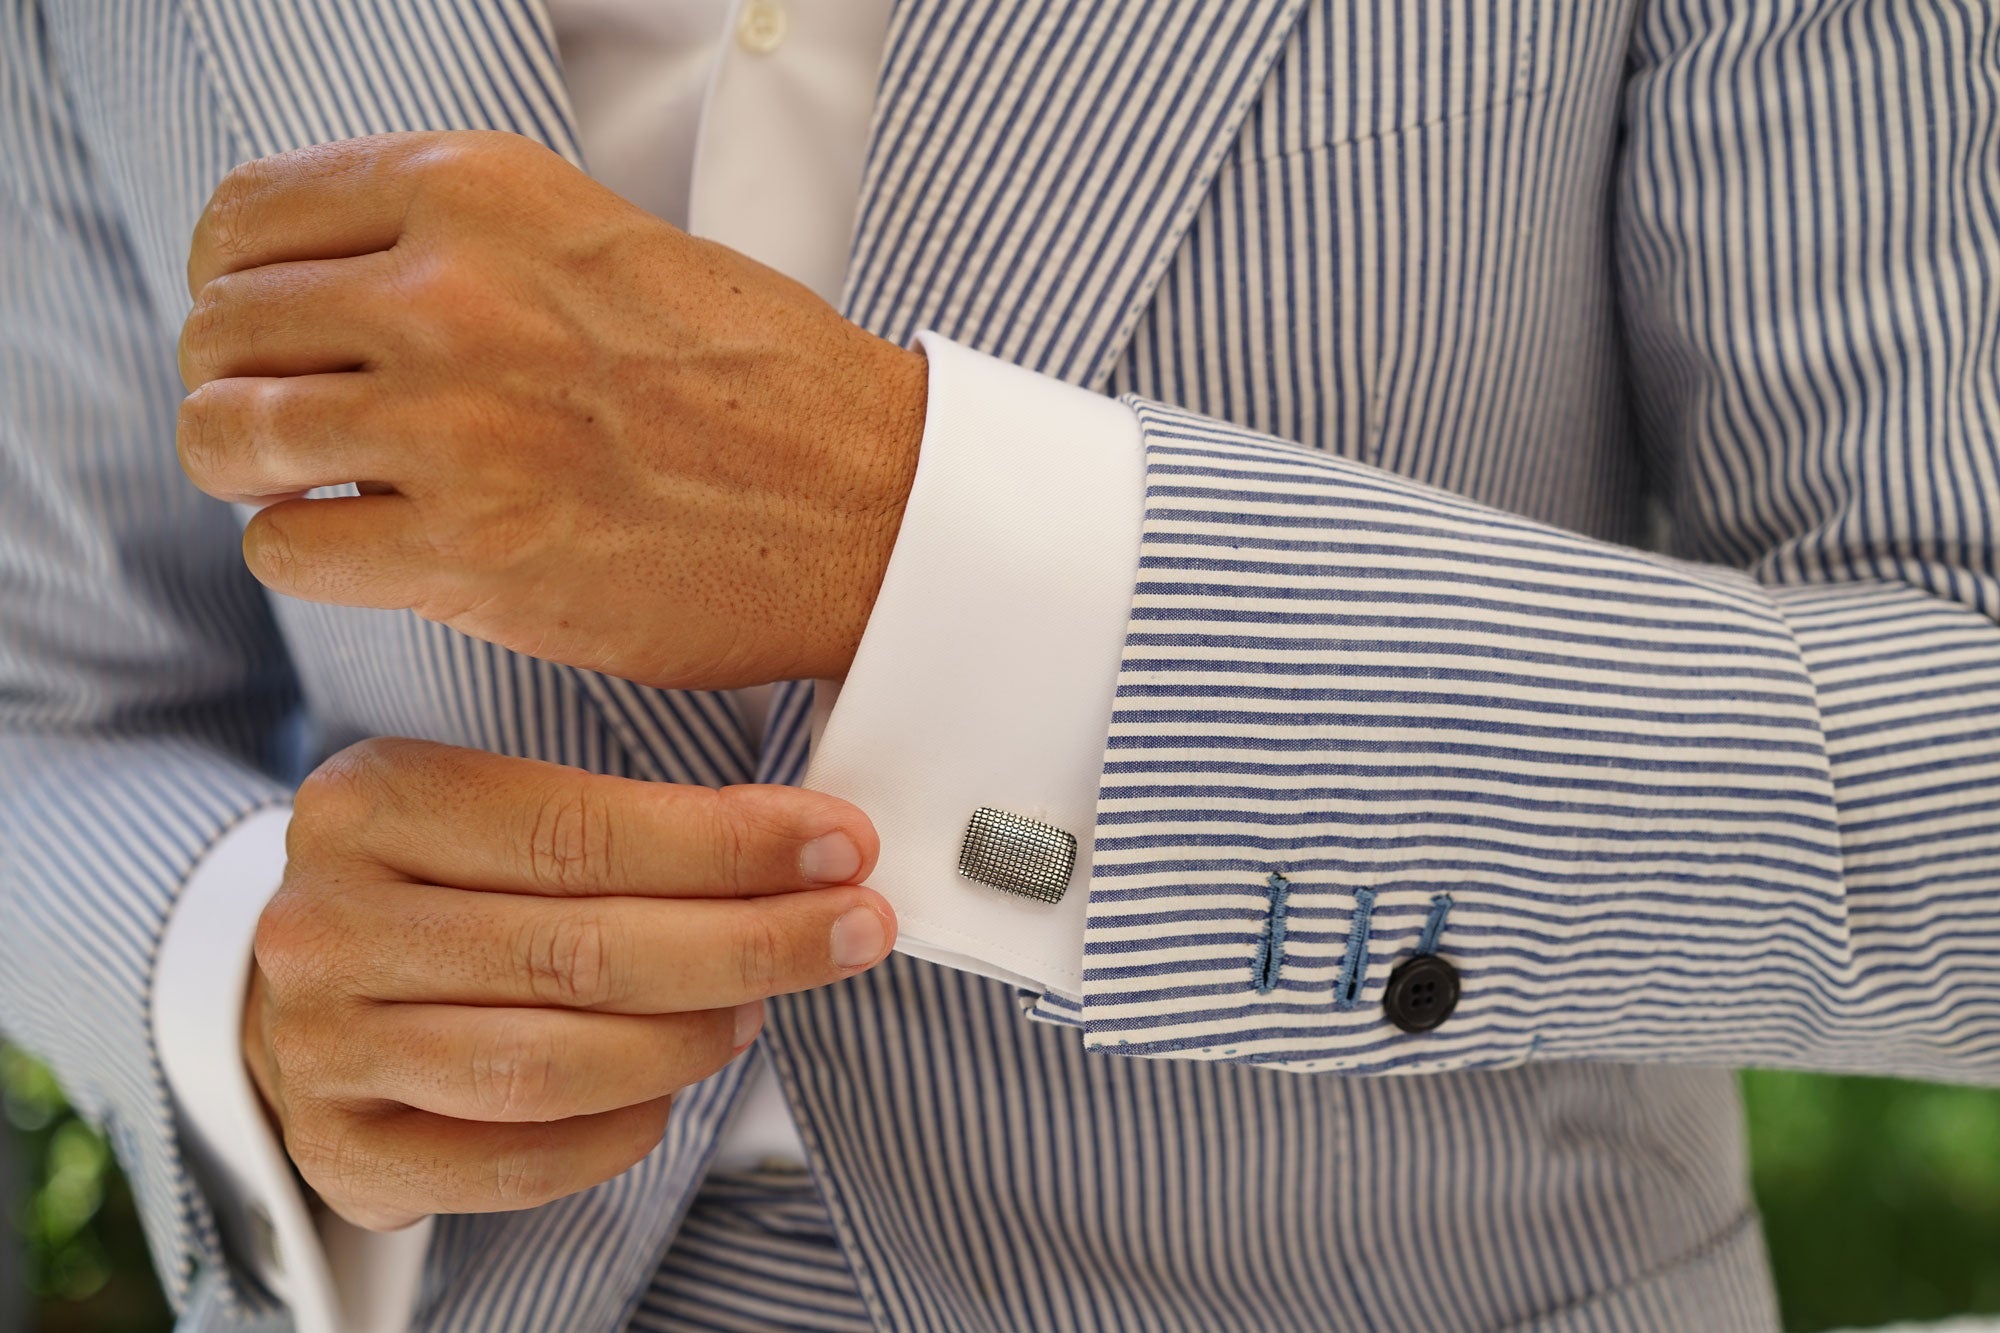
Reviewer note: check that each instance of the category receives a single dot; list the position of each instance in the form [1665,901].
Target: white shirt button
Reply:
[762,27]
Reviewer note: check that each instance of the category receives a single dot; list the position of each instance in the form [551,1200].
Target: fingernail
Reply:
[830,859]
[749,1022]
[858,937]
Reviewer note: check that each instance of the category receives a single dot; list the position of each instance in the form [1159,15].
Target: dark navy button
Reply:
[1422,993]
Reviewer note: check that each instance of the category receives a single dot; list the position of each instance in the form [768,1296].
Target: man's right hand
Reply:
[484,978]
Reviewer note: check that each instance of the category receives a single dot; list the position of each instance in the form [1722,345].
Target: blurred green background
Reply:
[1881,1201]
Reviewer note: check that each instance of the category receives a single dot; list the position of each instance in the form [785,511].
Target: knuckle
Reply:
[287,938]
[760,956]
[449,310]
[267,409]
[435,287]
[442,158]
[328,1150]
[512,1077]
[224,222]
[322,1142]
[462,158]
[197,434]
[476,151]
[570,840]
[734,836]
[346,789]
[453,308]
[270,552]
[271,946]
[569,961]
[522,1179]
[206,320]
[315,1145]
[295,1052]
[359,791]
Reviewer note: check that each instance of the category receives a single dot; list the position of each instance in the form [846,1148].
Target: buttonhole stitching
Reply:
[1271,948]
[1354,968]
[1434,923]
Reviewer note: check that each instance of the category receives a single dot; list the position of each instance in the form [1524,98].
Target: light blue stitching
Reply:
[1354,969]
[1440,909]
[1271,949]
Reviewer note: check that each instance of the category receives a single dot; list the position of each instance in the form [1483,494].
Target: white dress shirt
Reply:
[984,677]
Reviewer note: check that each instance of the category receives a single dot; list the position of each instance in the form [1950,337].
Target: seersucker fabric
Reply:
[1573,434]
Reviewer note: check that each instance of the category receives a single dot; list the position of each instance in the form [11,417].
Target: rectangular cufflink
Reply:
[1017,854]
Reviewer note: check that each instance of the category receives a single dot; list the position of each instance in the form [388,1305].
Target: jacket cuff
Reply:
[1360,720]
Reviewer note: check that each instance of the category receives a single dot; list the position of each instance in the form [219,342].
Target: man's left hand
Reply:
[578,432]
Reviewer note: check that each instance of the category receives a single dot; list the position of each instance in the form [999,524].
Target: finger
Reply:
[328,201]
[363,550]
[519,1065]
[386,1170]
[615,955]
[439,814]
[288,319]
[354,197]
[254,440]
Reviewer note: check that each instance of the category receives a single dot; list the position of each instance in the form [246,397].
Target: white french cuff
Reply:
[333,1277]
[986,674]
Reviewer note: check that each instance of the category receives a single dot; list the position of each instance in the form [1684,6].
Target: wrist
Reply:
[884,444]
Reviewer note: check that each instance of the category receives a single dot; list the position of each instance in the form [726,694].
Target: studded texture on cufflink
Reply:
[1017,854]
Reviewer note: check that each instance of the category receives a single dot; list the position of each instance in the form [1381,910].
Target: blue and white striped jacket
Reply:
[1529,280]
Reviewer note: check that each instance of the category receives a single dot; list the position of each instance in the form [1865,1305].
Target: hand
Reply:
[580,433]
[484,978]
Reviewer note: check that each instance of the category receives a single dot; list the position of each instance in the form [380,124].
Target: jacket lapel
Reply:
[1033,165]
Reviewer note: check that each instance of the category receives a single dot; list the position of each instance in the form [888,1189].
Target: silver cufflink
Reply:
[1017,854]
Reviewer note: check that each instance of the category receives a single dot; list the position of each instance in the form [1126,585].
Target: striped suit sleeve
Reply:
[1736,804]
[141,678]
